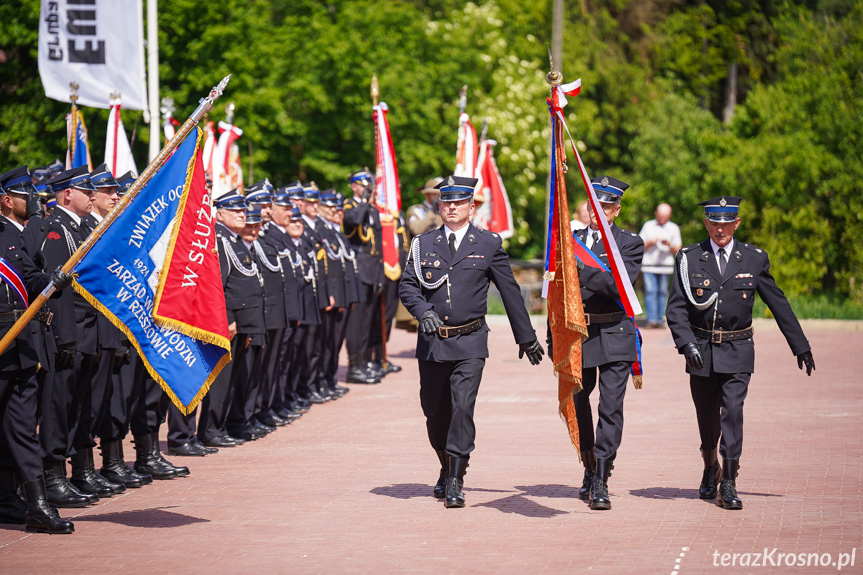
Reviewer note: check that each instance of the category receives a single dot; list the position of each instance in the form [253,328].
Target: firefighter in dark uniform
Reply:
[362,226]
[446,288]
[610,347]
[337,286]
[239,278]
[709,313]
[20,460]
[317,335]
[283,400]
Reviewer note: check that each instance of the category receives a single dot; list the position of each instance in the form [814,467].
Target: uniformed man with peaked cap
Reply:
[445,286]
[610,348]
[709,313]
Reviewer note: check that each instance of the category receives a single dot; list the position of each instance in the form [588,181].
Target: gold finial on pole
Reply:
[375,90]
[554,78]
[73,97]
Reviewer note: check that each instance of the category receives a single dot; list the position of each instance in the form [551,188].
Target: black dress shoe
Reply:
[114,468]
[221,441]
[186,450]
[453,493]
[599,488]
[288,415]
[265,428]
[84,479]
[244,435]
[315,397]
[201,447]
[392,368]
[728,498]
[440,486]
[236,440]
[272,421]
[147,461]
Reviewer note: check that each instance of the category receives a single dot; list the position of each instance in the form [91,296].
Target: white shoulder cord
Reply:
[235,261]
[684,277]
[263,257]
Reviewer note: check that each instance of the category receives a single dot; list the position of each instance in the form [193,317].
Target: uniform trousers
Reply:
[298,387]
[313,345]
[126,384]
[54,421]
[448,396]
[214,406]
[19,445]
[339,332]
[366,311]
[246,381]
[719,409]
[329,325]
[181,428]
[613,378]
[151,408]
[284,352]
[94,397]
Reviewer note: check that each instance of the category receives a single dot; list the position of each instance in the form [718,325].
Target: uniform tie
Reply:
[596,239]
[721,261]
[452,245]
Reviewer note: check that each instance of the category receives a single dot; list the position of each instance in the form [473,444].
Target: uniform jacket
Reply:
[362,226]
[75,320]
[293,273]
[351,268]
[108,334]
[314,252]
[244,292]
[24,351]
[478,260]
[747,272]
[336,264]
[269,264]
[609,342]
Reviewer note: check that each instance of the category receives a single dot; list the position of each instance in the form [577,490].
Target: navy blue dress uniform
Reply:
[20,460]
[609,350]
[362,227]
[709,313]
[245,307]
[446,287]
[316,335]
[285,401]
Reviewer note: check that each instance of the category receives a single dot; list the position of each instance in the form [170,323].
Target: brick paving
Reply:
[347,488]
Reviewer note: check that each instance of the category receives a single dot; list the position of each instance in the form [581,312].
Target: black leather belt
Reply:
[12,316]
[446,331]
[591,318]
[719,336]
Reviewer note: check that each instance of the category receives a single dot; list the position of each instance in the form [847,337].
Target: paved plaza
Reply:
[347,488]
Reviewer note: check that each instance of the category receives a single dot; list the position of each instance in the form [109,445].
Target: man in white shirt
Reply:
[661,243]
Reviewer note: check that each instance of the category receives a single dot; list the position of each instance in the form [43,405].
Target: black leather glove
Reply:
[806,358]
[65,357]
[33,206]
[693,356]
[549,344]
[533,350]
[430,321]
[61,279]
[367,192]
[579,265]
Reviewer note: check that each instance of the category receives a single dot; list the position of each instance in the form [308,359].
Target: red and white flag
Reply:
[466,150]
[209,149]
[496,213]
[223,179]
[388,194]
[118,153]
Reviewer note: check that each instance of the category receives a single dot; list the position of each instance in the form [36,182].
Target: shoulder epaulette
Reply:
[753,248]
[690,247]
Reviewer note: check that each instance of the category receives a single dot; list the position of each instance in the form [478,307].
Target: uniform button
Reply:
[450,269]
[446,318]
[720,301]
[721,287]
[720,317]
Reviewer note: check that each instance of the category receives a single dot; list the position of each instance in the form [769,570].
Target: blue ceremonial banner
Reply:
[78,153]
[120,276]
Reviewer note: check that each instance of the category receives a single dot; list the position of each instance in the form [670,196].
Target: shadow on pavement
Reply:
[404,490]
[665,493]
[554,490]
[521,505]
[154,517]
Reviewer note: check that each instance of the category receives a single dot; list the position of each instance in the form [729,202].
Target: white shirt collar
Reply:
[75,217]
[459,235]
[230,231]
[309,221]
[589,238]
[97,216]
[296,241]
[248,245]
[728,249]
[280,228]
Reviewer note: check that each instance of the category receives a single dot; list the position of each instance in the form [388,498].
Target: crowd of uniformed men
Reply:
[302,272]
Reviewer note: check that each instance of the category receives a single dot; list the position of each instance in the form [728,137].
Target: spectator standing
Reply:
[661,243]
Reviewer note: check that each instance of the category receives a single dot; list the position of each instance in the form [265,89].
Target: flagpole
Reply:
[375,91]
[204,105]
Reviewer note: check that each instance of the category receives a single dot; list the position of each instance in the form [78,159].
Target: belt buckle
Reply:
[720,336]
[443,331]
[587,319]
[50,317]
